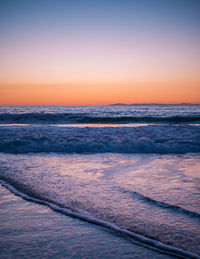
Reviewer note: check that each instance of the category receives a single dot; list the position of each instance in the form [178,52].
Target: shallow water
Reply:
[156,196]
[29,230]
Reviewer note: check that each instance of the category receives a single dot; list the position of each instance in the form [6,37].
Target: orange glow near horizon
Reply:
[99,52]
[99,94]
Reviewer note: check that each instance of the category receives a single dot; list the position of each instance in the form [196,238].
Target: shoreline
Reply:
[40,232]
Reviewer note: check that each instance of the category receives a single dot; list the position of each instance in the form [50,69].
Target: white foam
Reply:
[144,139]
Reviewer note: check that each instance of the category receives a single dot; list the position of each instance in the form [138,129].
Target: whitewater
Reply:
[131,169]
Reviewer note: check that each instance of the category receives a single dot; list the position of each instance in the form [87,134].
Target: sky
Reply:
[98,52]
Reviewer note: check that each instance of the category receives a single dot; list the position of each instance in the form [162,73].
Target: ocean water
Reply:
[134,170]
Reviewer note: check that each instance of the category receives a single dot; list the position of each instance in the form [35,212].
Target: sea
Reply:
[116,181]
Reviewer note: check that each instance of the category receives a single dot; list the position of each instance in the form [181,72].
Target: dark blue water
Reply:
[100,114]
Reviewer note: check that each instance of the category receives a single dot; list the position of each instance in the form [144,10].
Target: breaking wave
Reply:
[162,139]
[150,139]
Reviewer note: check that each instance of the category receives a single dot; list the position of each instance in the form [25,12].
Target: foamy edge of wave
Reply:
[159,246]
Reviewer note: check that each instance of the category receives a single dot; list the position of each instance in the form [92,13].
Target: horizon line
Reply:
[112,104]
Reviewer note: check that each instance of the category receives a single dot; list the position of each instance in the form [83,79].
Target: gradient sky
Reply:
[73,52]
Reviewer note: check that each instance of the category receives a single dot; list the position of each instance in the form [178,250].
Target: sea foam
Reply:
[161,139]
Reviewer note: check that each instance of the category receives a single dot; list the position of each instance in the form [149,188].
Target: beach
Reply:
[42,233]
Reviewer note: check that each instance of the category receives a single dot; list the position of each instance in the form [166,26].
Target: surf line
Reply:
[167,249]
